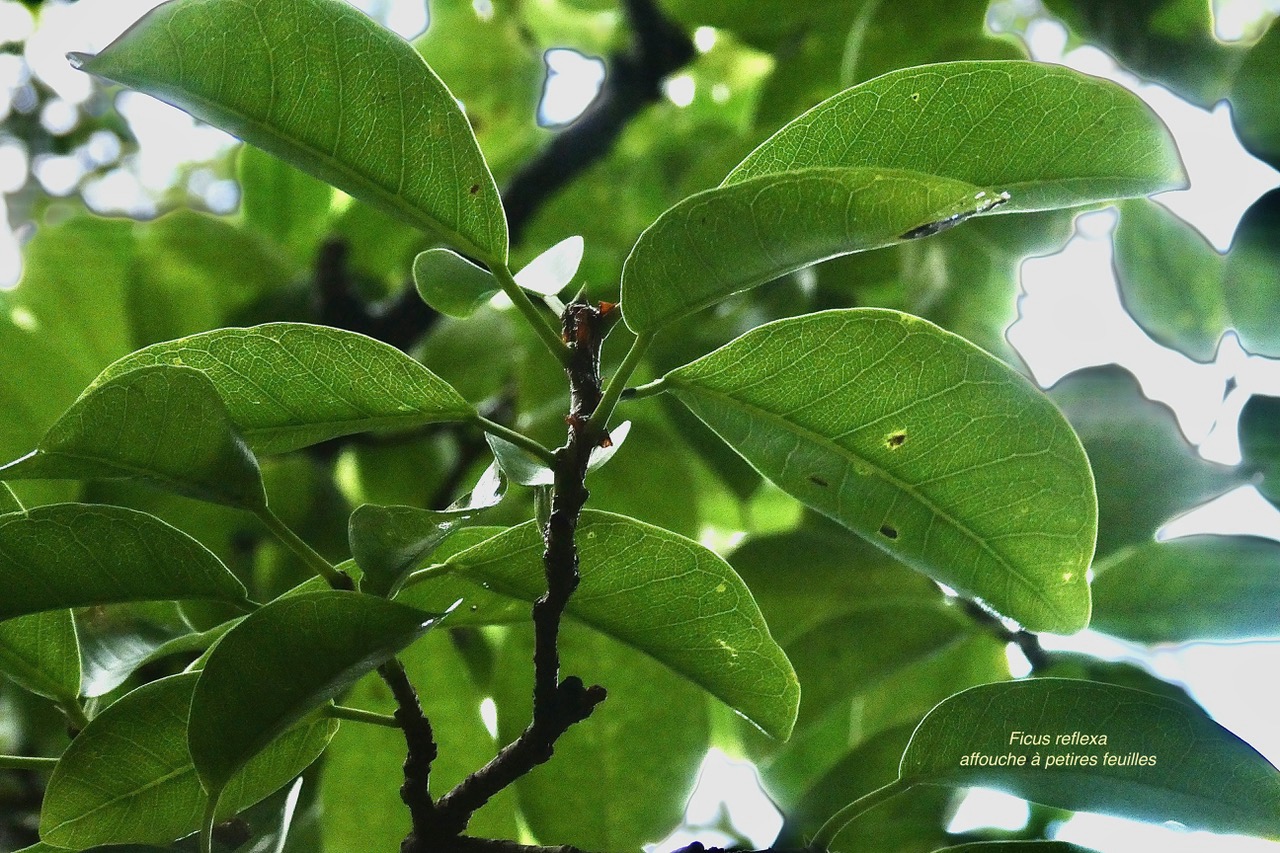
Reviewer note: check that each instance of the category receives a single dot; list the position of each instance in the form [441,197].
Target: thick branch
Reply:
[634,80]
[421,751]
[557,704]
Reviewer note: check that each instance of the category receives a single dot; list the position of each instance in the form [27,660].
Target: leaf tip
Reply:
[79,61]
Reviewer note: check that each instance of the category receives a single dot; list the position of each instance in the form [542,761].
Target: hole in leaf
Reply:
[888,532]
[818,481]
[895,439]
[475,188]
[915,96]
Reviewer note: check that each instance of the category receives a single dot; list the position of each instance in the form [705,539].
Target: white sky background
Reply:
[1071,317]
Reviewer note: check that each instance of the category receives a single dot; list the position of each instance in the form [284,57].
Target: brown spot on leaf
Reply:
[475,188]
[818,481]
[895,439]
[888,532]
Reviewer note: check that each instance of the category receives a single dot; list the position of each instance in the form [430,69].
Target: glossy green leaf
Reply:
[1194,588]
[1171,279]
[321,85]
[283,661]
[1183,292]
[663,594]
[734,237]
[451,284]
[1144,470]
[1162,760]
[288,385]
[1253,103]
[41,653]
[389,541]
[165,424]
[128,776]
[631,765]
[86,554]
[918,441]
[1260,442]
[1047,135]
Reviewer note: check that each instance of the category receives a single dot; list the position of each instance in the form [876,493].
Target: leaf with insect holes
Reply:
[319,84]
[920,442]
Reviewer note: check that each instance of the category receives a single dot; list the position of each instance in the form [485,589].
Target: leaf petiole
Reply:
[537,320]
[305,552]
[517,438]
[359,715]
[617,382]
[26,762]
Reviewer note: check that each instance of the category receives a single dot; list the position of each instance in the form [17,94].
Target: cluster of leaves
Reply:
[198,630]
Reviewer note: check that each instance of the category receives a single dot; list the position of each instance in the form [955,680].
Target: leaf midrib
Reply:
[822,441]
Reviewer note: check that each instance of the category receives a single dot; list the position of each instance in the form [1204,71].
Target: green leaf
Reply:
[41,653]
[128,778]
[631,766]
[389,541]
[288,385]
[918,441]
[1253,103]
[663,594]
[319,84]
[1194,588]
[1195,771]
[283,661]
[1260,442]
[734,237]
[1171,279]
[1047,135]
[165,424]
[9,501]
[84,555]
[298,225]
[59,327]
[451,284]
[1185,294]
[1144,470]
